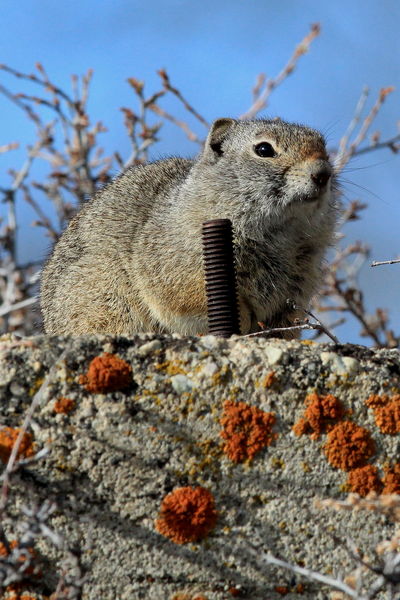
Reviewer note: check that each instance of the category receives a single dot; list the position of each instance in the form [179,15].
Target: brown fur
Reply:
[131,259]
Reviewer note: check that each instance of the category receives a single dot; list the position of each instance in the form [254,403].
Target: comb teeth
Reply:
[219,267]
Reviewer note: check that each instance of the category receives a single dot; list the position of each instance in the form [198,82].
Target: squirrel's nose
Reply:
[321,175]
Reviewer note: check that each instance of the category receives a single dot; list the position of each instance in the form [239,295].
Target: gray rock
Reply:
[116,455]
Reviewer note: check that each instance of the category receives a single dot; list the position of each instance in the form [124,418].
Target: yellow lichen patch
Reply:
[36,385]
[210,448]
[172,367]
[221,377]
[208,459]
[277,463]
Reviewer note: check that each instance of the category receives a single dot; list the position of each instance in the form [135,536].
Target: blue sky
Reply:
[213,51]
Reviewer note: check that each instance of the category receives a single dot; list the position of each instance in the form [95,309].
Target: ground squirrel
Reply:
[131,260]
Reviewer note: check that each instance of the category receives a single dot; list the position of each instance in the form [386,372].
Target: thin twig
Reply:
[330,581]
[5,310]
[357,309]
[167,85]
[301,327]
[8,147]
[377,263]
[392,143]
[270,84]
[322,327]
[184,126]
[383,93]
[25,107]
[36,400]
[45,82]
[348,150]
[352,125]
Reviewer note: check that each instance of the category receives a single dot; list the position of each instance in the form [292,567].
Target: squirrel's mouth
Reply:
[311,195]
[306,198]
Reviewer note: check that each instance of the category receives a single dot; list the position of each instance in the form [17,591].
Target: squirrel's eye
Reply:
[265,150]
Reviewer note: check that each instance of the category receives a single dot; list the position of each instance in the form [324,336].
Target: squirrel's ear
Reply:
[217,134]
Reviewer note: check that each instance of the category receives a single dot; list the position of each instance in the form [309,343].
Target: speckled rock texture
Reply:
[114,456]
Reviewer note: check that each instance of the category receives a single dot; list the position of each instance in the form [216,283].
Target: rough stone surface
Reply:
[115,456]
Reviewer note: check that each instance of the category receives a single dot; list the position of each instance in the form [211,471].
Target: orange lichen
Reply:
[386,412]
[282,590]
[28,570]
[3,549]
[186,596]
[64,405]
[107,373]
[319,415]
[391,481]
[376,400]
[348,446]
[8,437]
[14,594]
[269,380]
[387,417]
[246,429]
[187,514]
[364,480]
[301,427]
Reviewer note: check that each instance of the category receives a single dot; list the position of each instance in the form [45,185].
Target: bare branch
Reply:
[348,150]
[377,263]
[261,97]
[37,398]
[325,579]
[167,85]
[322,328]
[184,126]
[392,144]
[8,147]
[5,310]
[352,126]
[301,327]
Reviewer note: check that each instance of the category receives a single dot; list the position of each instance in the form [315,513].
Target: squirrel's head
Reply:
[276,170]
